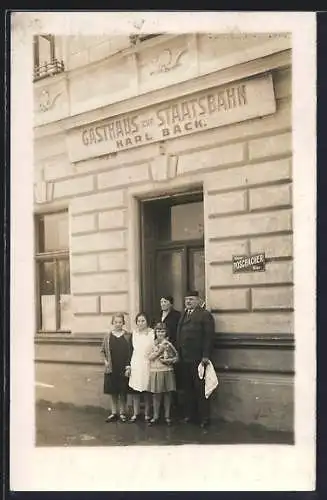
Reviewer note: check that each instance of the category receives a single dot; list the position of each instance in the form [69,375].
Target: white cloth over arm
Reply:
[210,378]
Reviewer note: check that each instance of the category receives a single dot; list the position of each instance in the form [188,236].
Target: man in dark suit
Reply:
[170,317]
[195,335]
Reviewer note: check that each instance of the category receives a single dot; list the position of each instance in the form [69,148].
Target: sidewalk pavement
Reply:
[62,424]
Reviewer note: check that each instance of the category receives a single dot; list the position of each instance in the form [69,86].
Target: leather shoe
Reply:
[186,420]
[112,418]
[204,424]
[153,421]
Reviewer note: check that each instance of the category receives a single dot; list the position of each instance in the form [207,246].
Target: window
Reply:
[53,273]
[180,222]
[45,60]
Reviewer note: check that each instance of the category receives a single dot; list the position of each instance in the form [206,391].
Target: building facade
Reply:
[157,159]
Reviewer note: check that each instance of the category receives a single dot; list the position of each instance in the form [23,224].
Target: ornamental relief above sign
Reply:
[189,114]
[51,100]
[46,101]
[167,60]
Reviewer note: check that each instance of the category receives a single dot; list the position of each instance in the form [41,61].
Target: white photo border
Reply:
[205,468]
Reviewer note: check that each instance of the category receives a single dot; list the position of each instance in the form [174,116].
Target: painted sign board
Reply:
[207,109]
[248,264]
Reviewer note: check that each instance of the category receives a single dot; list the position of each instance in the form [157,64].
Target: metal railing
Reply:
[48,69]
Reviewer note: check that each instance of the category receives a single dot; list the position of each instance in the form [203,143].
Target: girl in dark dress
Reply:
[117,350]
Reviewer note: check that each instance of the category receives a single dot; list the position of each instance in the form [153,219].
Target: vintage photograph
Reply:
[158,160]
[168,194]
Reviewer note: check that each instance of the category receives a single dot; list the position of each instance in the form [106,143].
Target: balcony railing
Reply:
[48,69]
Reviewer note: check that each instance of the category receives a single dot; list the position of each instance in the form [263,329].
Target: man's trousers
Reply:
[195,405]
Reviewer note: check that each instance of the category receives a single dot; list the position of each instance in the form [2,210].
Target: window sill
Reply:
[65,338]
[53,334]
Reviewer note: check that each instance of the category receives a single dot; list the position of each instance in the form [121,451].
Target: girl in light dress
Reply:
[162,358]
[142,341]
[117,351]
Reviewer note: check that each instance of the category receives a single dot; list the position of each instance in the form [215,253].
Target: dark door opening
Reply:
[172,232]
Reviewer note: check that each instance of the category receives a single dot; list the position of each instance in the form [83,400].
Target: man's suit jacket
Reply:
[195,335]
[171,322]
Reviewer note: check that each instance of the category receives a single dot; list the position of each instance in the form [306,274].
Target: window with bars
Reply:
[54,312]
[46,62]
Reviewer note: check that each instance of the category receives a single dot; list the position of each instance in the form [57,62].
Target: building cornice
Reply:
[277,60]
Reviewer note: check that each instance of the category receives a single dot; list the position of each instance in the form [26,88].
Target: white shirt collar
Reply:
[164,314]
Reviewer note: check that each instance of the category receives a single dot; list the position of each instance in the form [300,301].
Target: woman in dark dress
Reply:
[117,350]
[170,317]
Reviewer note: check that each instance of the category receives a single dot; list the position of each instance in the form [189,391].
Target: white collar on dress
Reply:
[117,334]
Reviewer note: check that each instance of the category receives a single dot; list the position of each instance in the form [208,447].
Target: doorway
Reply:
[172,238]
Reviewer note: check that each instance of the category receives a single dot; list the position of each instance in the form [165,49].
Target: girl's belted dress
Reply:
[162,376]
[117,351]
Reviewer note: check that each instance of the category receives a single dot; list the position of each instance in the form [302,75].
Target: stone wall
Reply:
[246,173]
[255,383]
[245,170]
[102,70]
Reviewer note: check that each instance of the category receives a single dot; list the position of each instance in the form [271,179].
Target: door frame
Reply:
[135,196]
[185,245]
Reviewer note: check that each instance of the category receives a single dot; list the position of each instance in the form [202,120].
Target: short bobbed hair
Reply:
[144,315]
[168,297]
[159,326]
[118,315]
